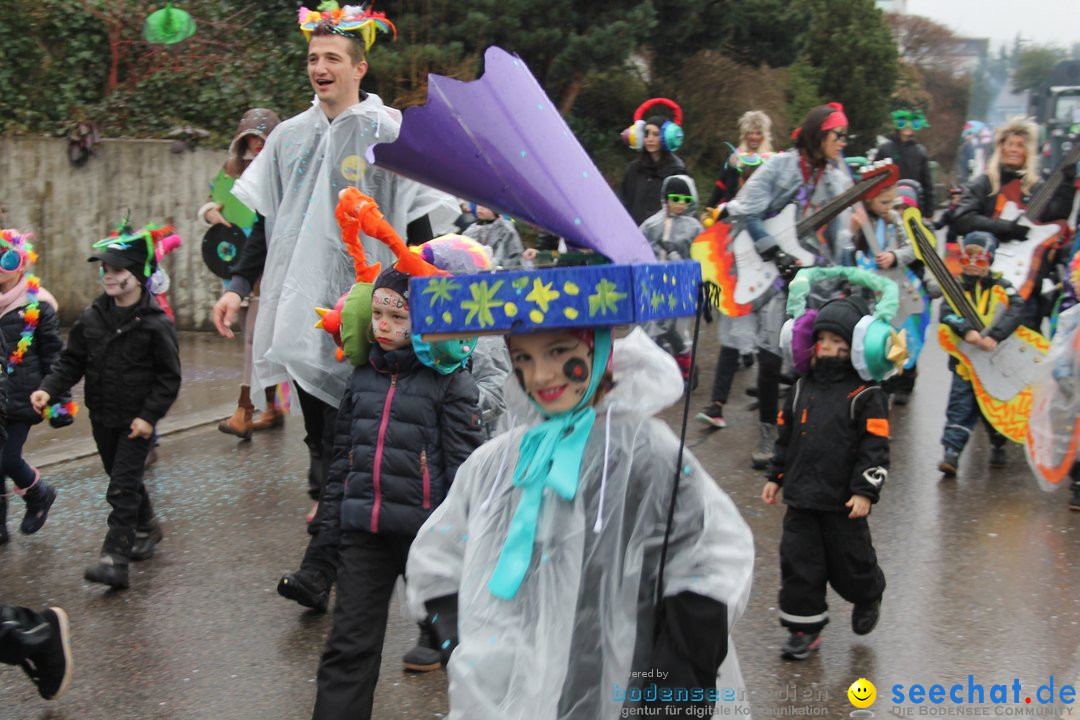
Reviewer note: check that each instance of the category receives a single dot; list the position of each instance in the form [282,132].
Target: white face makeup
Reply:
[390,319]
[554,368]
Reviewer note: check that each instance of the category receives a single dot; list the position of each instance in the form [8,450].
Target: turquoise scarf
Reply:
[550,456]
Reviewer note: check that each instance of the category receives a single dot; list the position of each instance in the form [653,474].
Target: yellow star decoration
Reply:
[898,351]
[542,294]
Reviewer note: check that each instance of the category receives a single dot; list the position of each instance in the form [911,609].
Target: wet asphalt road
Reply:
[982,579]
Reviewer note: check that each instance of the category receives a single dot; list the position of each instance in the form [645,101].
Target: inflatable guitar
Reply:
[1001,378]
[1019,261]
[731,261]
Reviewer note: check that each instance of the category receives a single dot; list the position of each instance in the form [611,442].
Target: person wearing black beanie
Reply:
[831,459]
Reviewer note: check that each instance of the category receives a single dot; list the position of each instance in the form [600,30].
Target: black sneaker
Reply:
[949,462]
[38,502]
[308,588]
[901,398]
[747,360]
[423,657]
[799,645]
[146,538]
[712,415]
[110,570]
[998,458]
[865,616]
[50,665]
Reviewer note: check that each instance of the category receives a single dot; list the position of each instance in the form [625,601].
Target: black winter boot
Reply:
[423,657]
[307,587]
[39,498]
[146,538]
[111,570]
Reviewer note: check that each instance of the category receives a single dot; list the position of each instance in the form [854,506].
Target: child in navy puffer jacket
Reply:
[402,431]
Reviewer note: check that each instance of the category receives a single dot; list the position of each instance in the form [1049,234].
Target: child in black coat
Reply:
[831,459]
[30,334]
[125,346]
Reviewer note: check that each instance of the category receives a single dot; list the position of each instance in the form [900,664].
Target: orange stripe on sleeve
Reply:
[780,418]
[878,426]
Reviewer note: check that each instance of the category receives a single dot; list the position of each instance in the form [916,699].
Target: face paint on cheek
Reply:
[817,348]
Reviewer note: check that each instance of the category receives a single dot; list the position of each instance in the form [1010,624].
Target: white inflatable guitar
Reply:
[1017,261]
[754,276]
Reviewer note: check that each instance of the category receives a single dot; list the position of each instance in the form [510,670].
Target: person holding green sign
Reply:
[231,223]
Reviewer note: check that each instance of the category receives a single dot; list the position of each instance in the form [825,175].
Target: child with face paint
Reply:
[403,429]
[1001,308]
[539,572]
[31,334]
[125,347]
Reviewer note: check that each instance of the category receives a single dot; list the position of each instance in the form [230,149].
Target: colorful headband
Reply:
[916,119]
[346,20]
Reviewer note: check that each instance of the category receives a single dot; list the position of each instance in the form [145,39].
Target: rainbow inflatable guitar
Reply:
[1001,378]
[730,260]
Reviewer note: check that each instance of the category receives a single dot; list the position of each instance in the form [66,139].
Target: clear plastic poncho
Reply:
[1053,440]
[583,617]
[294,183]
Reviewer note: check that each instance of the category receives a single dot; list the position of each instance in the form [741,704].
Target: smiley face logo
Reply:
[862,693]
[351,167]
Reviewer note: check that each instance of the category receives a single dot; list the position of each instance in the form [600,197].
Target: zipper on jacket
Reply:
[426,475]
[377,477]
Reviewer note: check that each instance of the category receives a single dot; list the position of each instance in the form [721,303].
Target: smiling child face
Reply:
[553,368]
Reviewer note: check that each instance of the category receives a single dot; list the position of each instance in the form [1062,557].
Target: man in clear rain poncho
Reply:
[539,570]
[293,185]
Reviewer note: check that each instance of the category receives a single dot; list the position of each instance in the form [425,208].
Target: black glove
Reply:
[786,264]
[61,421]
[1017,231]
[443,624]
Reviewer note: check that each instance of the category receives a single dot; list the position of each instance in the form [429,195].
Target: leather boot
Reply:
[239,424]
[271,417]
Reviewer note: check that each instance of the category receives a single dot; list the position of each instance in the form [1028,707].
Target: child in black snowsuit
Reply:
[831,459]
[125,346]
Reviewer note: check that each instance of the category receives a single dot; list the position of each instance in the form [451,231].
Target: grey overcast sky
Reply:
[1045,22]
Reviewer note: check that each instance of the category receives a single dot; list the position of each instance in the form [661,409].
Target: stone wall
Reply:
[69,208]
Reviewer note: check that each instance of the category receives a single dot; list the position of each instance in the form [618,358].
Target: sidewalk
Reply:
[211,368]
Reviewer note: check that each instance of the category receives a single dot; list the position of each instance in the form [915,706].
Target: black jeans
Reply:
[349,668]
[768,386]
[725,374]
[319,421]
[125,462]
[322,553]
[22,631]
[12,464]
